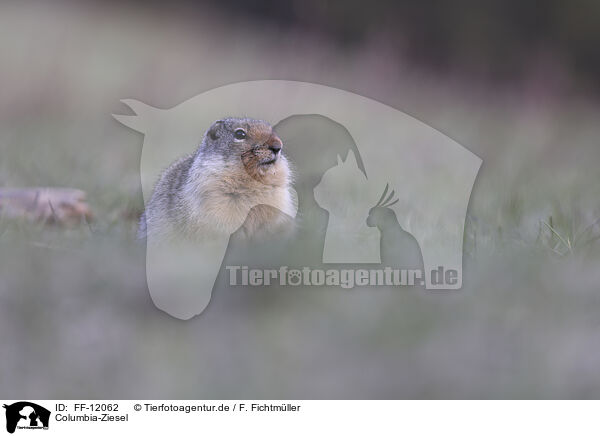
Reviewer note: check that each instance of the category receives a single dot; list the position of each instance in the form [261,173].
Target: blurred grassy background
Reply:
[514,83]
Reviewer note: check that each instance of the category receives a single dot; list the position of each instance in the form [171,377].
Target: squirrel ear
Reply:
[213,131]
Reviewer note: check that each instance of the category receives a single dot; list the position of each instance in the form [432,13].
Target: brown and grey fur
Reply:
[225,184]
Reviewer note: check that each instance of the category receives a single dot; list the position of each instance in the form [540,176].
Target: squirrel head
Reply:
[251,143]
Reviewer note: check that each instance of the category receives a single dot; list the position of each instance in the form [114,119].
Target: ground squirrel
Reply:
[237,177]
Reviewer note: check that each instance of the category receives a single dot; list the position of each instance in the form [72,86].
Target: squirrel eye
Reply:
[239,134]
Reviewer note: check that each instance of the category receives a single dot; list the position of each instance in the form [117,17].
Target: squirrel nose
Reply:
[274,144]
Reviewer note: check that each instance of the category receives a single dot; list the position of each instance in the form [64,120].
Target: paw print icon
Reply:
[294,277]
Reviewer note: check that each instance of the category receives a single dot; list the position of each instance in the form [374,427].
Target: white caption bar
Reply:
[301,417]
